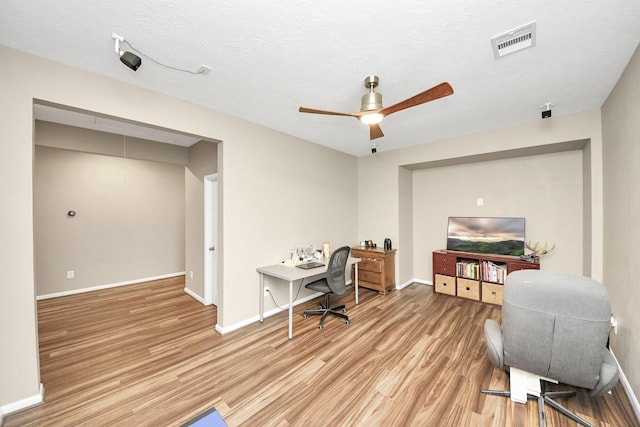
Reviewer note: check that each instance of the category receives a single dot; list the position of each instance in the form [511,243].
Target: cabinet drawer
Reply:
[439,258]
[370,264]
[492,293]
[468,289]
[445,284]
[446,269]
[369,276]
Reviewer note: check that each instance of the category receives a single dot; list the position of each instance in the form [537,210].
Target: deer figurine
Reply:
[537,251]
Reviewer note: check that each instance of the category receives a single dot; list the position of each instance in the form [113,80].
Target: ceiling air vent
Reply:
[514,40]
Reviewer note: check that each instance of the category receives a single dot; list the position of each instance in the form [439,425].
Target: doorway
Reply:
[211,239]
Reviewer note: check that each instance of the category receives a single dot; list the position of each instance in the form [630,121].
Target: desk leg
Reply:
[356,276]
[261,297]
[290,309]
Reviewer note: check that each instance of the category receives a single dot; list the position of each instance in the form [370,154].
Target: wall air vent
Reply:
[514,40]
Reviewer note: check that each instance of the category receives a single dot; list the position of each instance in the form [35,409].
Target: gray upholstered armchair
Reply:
[555,325]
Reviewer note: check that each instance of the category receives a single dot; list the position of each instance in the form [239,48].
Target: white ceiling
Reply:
[269,58]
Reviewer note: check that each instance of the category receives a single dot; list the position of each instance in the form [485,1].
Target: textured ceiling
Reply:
[270,58]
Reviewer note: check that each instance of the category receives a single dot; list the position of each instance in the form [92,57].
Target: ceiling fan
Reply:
[371,111]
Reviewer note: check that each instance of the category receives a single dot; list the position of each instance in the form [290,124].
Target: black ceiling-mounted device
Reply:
[131,60]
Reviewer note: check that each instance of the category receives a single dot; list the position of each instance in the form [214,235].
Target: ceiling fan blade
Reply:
[375,131]
[331,113]
[436,92]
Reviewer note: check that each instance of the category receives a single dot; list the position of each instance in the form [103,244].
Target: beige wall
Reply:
[382,213]
[203,160]
[129,222]
[288,193]
[200,160]
[545,189]
[259,172]
[109,144]
[621,137]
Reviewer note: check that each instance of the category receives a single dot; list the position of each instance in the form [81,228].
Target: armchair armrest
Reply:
[493,335]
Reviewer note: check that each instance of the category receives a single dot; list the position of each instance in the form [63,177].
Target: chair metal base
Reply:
[324,311]
[547,397]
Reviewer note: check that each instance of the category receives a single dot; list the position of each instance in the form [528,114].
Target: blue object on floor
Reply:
[211,418]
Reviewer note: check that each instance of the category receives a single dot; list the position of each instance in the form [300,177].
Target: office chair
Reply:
[333,283]
[554,325]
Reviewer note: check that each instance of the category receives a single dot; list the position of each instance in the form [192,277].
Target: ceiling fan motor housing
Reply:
[372,100]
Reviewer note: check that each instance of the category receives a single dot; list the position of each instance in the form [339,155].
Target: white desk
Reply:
[291,274]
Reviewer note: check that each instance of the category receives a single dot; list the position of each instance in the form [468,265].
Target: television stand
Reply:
[474,276]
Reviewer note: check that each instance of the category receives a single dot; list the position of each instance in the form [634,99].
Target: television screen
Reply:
[499,236]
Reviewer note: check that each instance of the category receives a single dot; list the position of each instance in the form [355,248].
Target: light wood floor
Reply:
[148,355]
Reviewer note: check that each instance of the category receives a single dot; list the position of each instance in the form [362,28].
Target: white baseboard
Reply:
[224,330]
[107,286]
[409,282]
[22,404]
[194,295]
[235,326]
[633,399]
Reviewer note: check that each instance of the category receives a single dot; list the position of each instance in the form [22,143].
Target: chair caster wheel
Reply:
[347,322]
[321,327]
[304,316]
[344,310]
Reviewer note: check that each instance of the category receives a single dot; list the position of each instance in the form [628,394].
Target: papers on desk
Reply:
[289,263]
[523,383]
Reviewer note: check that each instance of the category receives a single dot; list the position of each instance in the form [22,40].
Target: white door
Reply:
[211,239]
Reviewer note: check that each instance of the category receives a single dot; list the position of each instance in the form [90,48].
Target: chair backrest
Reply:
[555,325]
[336,270]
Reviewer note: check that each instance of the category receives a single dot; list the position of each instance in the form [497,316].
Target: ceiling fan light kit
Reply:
[371,118]
[372,112]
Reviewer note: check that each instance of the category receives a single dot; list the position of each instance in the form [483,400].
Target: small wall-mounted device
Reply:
[129,59]
[71,214]
[374,149]
[546,112]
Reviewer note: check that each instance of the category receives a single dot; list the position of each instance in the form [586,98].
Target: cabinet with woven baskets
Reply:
[478,277]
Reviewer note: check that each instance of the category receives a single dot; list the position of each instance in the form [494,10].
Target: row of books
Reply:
[486,271]
[468,269]
[492,272]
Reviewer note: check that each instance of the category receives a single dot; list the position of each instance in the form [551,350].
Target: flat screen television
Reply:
[486,235]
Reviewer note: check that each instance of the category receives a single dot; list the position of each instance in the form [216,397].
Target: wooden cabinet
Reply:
[377,270]
[478,277]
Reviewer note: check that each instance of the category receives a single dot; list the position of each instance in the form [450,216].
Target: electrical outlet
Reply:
[71,274]
[191,274]
[266,291]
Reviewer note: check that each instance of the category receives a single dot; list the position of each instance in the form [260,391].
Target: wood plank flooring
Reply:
[148,355]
